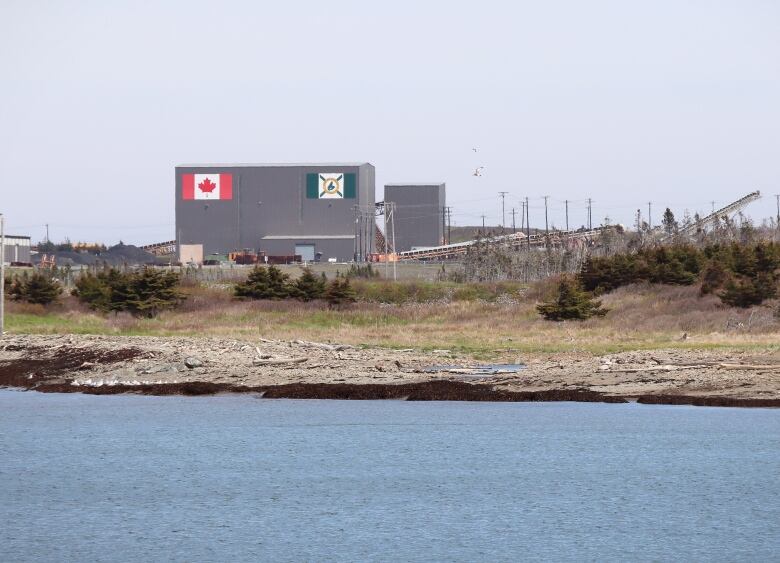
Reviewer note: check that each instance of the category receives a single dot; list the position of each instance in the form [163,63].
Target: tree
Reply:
[144,293]
[571,302]
[339,292]
[152,291]
[264,283]
[278,283]
[38,288]
[309,287]
[255,286]
[714,277]
[669,223]
[93,291]
[745,292]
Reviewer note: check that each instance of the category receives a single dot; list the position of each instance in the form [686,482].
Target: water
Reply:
[236,478]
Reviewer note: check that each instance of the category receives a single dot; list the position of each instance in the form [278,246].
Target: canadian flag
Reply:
[207,186]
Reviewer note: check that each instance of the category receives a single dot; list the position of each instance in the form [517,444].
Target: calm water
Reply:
[237,478]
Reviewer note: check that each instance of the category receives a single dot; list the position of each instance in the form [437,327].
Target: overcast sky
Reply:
[675,102]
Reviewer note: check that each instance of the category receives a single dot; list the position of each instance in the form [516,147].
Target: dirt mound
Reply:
[117,255]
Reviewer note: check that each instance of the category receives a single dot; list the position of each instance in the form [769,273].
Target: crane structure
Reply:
[712,218]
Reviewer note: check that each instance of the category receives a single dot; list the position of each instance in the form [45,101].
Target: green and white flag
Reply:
[331,185]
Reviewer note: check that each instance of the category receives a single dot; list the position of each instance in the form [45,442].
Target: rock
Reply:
[193,362]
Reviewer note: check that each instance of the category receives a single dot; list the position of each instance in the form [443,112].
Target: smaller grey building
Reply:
[419,214]
[17,249]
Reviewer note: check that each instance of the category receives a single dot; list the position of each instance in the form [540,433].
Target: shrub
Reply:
[264,283]
[365,272]
[571,302]
[38,288]
[339,292]
[144,293]
[746,291]
[309,287]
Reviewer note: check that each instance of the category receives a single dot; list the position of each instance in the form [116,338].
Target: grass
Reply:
[640,318]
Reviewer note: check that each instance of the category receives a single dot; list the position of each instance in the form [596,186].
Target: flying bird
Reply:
[474,149]
[478,171]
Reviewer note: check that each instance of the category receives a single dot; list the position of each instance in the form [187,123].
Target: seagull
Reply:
[474,149]
[478,171]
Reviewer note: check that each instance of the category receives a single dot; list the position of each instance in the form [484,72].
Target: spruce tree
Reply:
[255,286]
[152,291]
[571,302]
[41,289]
[309,287]
[339,292]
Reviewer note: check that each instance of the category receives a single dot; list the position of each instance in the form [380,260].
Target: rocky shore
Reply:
[315,370]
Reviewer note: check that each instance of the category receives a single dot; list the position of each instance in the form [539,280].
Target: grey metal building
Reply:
[313,210]
[17,249]
[419,214]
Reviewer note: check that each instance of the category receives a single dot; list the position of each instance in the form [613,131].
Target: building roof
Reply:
[16,236]
[271,164]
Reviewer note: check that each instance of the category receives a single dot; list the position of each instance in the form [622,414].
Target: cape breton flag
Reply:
[207,186]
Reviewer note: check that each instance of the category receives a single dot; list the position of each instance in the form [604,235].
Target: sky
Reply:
[624,102]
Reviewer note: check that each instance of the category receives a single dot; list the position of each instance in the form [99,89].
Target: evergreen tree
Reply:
[255,286]
[669,222]
[339,292]
[278,283]
[40,289]
[571,302]
[746,292]
[714,277]
[309,287]
[93,291]
[152,291]
[265,283]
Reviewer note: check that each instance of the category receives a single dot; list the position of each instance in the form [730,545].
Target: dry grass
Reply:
[640,317]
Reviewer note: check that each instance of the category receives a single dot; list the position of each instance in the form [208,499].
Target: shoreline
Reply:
[103,365]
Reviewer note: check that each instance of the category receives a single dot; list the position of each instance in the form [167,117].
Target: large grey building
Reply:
[317,211]
[17,249]
[419,214]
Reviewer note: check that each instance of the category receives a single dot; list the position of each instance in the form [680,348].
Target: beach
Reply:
[305,369]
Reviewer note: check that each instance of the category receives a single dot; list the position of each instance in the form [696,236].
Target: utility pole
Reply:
[546,227]
[527,225]
[514,230]
[483,223]
[387,237]
[567,214]
[444,225]
[522,216]
[503,212]
[777,197]
[47,232]
[650,215]
[2,274]
[395,259]
[449,225]
[713,206]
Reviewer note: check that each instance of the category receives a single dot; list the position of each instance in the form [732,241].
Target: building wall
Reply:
[419,210]
[270,211]
[17,249]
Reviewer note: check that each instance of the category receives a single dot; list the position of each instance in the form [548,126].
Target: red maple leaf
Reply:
[207,186]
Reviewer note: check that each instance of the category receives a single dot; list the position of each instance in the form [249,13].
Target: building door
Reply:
[305,251]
